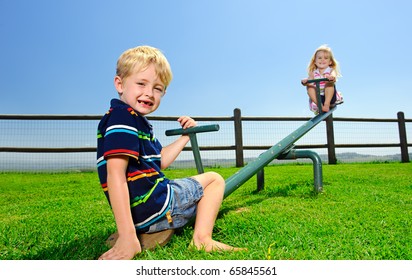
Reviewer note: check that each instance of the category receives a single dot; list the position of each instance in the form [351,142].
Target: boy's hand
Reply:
[123,249]
[186,122]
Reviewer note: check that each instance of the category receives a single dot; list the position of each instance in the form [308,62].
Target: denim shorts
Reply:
[186,194]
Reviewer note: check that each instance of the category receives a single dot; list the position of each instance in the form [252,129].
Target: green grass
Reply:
[364,212]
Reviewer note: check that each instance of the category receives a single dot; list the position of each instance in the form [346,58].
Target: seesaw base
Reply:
[148,241]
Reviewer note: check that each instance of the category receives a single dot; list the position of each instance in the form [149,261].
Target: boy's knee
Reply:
[216,177]
[210,178]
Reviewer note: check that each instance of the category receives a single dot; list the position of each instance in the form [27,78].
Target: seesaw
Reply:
[281,150]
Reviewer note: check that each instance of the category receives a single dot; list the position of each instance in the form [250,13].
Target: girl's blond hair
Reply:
[334,65]
[139,58]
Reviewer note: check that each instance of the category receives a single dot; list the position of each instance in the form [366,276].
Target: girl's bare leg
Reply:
[312,94]
[329,92]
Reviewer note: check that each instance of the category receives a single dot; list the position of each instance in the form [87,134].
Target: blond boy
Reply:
[130,160]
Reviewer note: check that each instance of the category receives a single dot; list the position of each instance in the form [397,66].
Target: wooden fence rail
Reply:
[238,146]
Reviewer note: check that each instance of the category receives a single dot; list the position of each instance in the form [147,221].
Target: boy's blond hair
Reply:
[328,50]
[138,58]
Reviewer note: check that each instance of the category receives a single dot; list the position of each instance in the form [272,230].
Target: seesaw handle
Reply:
[318,98]
[318,80]
[192,130]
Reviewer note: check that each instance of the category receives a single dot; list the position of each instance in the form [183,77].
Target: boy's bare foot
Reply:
[214,246]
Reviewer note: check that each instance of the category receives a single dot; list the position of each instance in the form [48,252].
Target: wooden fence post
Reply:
[402,137]
[237,116]
[331,140]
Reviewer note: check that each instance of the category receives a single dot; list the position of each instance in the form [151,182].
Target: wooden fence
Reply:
[237,146]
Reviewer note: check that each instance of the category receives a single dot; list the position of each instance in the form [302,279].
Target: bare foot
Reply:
[214,246]
[325,108]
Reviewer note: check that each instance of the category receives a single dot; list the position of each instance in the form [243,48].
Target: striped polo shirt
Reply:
[122,131]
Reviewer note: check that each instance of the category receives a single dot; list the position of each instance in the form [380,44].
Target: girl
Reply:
[323,65]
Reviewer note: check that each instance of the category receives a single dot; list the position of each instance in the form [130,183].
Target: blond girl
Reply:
[323,65]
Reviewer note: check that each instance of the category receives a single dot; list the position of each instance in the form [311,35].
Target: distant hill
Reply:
[342,157]
[87,162]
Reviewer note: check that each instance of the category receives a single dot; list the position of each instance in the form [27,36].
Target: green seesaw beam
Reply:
[244,174]
[283,149]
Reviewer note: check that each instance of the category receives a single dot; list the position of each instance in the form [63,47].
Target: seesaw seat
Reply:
[148,241]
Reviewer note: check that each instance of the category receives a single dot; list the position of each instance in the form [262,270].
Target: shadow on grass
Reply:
[303,189]
[89,248]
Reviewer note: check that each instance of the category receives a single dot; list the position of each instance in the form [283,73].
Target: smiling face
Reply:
[322,60]
[142,90]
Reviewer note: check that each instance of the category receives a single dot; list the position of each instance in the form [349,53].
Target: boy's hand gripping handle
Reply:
[191,131]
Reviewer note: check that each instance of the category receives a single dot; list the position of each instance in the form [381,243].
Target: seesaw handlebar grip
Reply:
[318,80]
[190,130]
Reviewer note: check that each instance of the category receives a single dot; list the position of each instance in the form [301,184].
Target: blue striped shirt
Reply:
[122,131]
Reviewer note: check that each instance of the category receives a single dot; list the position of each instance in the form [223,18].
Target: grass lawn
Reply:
[364,213]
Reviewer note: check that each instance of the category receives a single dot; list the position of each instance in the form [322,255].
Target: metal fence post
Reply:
[331,140]
[238,137]
[402,137]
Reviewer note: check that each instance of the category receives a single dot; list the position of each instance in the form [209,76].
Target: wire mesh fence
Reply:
[68,143]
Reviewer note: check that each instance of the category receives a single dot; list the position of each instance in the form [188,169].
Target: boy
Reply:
[130,160]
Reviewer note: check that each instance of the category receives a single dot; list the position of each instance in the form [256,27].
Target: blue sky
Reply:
[58,57]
